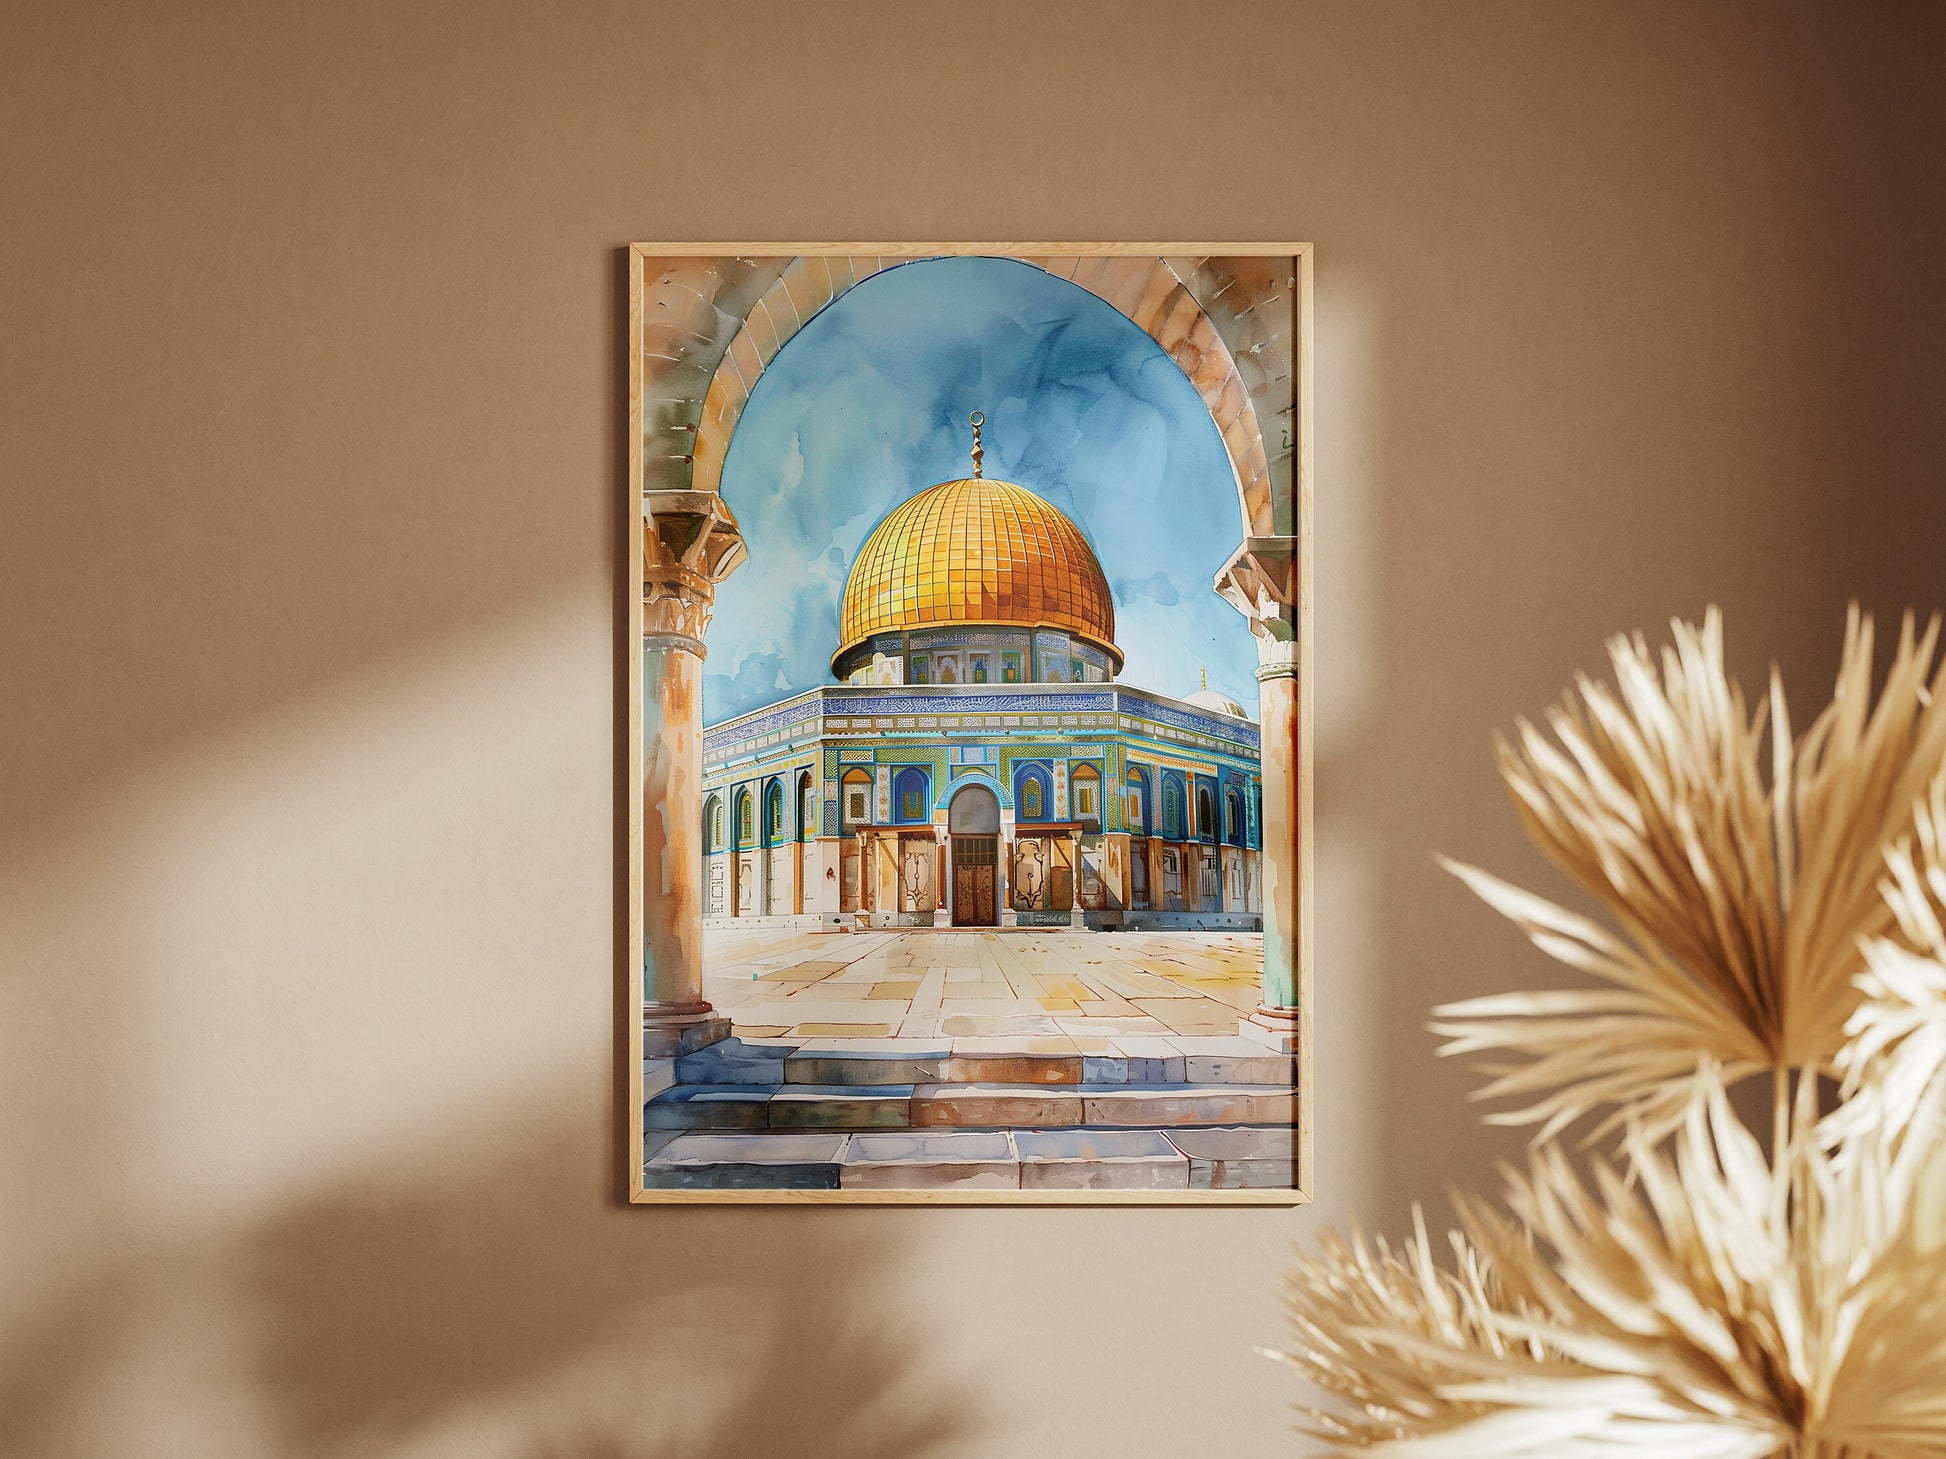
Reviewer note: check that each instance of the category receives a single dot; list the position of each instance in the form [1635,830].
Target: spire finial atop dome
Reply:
[976,420]
[1206,676]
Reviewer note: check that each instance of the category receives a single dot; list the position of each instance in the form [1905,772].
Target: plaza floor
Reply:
[1068,992]
[1048,1059]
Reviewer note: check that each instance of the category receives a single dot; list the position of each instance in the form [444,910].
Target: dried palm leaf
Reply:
[1709,1304]
[1391,1333]
[1894,1067]
[1741,903]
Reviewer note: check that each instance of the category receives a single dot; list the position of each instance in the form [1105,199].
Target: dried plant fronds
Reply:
[1392,1334]
[1632,1046]
[1742,902]
[1706,1303]
[1894,1067]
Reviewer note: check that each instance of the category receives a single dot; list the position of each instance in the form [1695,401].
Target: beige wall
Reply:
[310,375]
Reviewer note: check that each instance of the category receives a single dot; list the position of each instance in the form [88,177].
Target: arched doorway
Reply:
[973,820]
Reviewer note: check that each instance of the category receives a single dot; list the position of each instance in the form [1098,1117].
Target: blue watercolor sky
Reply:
[868,405]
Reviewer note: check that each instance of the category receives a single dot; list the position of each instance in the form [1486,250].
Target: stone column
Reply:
[1077,914]
[890,899]
[1003,873]
[942,907]
[690,543]
[1261,580]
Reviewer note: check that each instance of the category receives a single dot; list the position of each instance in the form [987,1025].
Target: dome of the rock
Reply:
[980,552]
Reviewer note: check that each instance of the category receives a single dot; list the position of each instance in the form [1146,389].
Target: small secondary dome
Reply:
[977,551]
[1221,703]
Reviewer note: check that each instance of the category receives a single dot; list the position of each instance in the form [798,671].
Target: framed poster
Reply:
[970,825]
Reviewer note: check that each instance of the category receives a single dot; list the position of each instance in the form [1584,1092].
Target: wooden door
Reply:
[975,880]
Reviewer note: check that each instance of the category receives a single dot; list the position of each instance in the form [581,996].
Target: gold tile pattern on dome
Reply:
[976,550]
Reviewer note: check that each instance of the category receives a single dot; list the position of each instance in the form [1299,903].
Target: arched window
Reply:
[1172,809]
[807,807]
[774,814]
[1030,797]
[1233,811]
[713,824]
[855,801]
[1085,792]
[1205,814]
[746,826]
[1138,802]
[910,801]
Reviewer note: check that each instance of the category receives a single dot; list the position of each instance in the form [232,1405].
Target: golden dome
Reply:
[977,551]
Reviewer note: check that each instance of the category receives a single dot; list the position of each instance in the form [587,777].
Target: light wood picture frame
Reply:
[810,883]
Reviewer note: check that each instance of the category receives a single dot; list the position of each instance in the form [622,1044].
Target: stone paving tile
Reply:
[1013,1069]
[1057,1044]
[1029,1026]
[732,1061]
[729,1162]
[1185,1015]
[1239,1159]
[1175,1104]
[840,1106]
[884,1046]
[657,1075]
[654,1140]
[1099,1160]
[986,1007]
[996,1104]
[845,1030]
[1109,1028]
[709,1107]
[983,984]
[931,1160]
[870,1063]
[1262,1067]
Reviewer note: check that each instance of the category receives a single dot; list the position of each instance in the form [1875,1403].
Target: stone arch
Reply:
[855,781]
[774,823]
[1142,812]
[1084,794]
[912,795]
[807,806]
[711,325]
[974,809]
[1033,794]
[1237,323]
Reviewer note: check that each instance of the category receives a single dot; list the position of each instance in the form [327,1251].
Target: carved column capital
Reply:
[1261,581]
[690,543]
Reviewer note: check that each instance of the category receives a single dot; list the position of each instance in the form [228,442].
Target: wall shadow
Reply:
[486,1286]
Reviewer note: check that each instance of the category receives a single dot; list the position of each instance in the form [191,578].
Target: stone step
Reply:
[779,1107]
[1077,1158]
[1133,1105]
[964,1106]
[1144,1059]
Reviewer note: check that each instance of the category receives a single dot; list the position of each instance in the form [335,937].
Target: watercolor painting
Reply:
[970,844]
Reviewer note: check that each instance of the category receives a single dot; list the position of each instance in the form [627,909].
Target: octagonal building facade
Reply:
[978,763]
